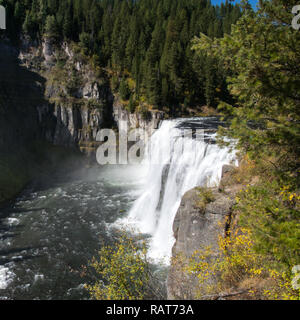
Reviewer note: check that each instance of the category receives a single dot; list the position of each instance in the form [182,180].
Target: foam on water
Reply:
[6,277]
[12,221]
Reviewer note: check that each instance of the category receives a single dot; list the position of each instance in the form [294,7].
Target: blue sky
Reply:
[253,2]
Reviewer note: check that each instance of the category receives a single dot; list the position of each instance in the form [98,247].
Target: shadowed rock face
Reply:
[33,106]
[67,115]
[197,228]
[21,92]
[80,108]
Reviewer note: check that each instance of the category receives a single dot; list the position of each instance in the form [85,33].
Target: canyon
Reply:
[53,94]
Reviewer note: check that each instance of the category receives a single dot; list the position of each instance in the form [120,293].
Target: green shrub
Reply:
[206,196]
[124,272]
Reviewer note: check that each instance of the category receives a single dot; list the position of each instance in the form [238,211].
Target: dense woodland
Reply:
[145,44]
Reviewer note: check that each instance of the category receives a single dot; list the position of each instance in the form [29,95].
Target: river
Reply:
[49,232]
[47,235]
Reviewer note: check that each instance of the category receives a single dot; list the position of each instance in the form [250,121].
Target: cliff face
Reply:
[79,97]
[198,226]
[80,100]
[148,122]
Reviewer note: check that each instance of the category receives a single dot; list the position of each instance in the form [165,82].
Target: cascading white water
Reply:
[176,163]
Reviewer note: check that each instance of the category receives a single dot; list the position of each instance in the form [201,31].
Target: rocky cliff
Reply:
[54,93]
[199,222]
[148,122]
[80,99]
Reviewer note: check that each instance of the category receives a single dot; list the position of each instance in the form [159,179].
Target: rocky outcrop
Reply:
[198,226]
[76,125]
[80,100]
[49,52]
[73,100]
[148,122]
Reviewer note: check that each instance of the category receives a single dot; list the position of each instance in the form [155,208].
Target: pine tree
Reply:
[124,89]
[67,25]
[28,25]
[262,54]
[51,27]
[209,82]
[131,105]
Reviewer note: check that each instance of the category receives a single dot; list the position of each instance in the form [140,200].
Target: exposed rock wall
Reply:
[197,227]
[136,120]
[80,100]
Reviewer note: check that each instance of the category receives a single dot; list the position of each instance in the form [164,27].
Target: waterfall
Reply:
[177,160]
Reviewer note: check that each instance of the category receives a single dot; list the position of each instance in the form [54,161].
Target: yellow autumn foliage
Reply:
[238,266]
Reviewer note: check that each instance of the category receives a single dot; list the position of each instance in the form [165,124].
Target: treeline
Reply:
[146,44]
